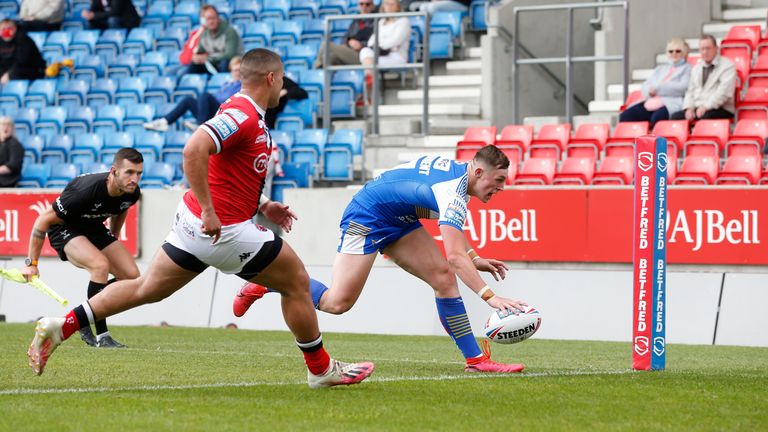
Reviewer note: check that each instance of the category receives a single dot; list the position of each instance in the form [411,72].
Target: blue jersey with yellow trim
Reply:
[430,187]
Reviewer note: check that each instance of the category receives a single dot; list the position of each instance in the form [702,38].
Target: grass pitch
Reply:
[187,379]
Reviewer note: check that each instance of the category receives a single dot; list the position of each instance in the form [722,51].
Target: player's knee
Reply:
[99,267]
[443,280]
[132,274]
[338,306]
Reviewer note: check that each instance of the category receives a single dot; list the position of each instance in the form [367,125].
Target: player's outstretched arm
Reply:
[36,240]
[197,151]
[496,268]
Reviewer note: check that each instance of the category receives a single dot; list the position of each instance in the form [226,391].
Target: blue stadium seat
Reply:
[313,82]
[57,43]
[152,64]
[114,141]
[122,66]
[33,148]
[276,9]
[139,41]
[258,34]
[158,175]
[189,85]
[297,115]
[308,145]
[150,144]
[245,12]
[73,20]
[25,119]
[130,90]
[79,119]
[158,13]
[314,32]
[136,115]
[185,15]
[74,92]
[303,9]
[444,28]
[170,40]
[216,81]
[348,78]
[51,121]
[94,167]
[299,172]
[303,55]
[102,92]
[477,15]
[62,174]
[337,163]
[286,33]
[84,41]
[109,43]
[34,175]
[352,138]
[89,68]
[332,7]
[41,93]
[39,39]
[174,146]
[57,150]
[339,28]
[108,118]
[284,141]
[160,91]
[343,102]
[87,148]
[12,94]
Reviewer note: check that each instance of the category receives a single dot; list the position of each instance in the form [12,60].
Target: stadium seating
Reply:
[754,104]
[576,170]
[74,92]
[353,138]
[108,118]
[51,121]
[83,42]
[114,141]
[284,141]
[589,138]
[740,169]
[698,170]
[752,133]
[87,148]
[79,119]
[62,174]
[295,174]
[40,93]
[57,150]
[12,94]
[632,98]
[150,144]
[518,137]
[33,148]
[537,171]
[34,175]
[25,119]
[708,137]
[308,146]
[297,115]
[616,169]
[551,141]
[675,131]
[740,40]
[157,175]
[625,134]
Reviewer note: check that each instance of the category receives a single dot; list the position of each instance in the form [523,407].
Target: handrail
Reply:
[423,65]
[569,59]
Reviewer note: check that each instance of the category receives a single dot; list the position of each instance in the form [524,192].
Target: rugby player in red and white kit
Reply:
[225,162]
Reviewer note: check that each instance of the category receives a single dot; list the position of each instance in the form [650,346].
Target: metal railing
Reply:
[569,58]
[375,67]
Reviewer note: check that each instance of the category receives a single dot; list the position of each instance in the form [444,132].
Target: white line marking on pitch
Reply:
[29,391]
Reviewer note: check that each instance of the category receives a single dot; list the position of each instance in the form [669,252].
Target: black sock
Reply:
[93,289]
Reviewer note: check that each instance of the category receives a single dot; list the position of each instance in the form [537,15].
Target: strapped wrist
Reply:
[486,293]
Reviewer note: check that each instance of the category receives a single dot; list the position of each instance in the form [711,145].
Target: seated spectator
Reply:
[710,91]
[394,37]
[355,39]
[11,154]
[41,15]
[290,91]
[185,56]
[664,90]
[203,107]
[106,14]
[19,56]
[219,42]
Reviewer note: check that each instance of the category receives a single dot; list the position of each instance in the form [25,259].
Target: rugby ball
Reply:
[507,328]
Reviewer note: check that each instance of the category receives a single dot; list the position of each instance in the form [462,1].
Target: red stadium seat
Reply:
[482,135]
[537,170]
[516,137]
[758,76]
[708,137]
[740,170]
[514,155]
[575,171]
[625,134]
[632,98]
[754,104]
[764,177]
[743,64]
[590,137]
[747,133]
[741,39]
[675,131]
[698,170]
[693,59]
[551,140]
[465,152]
[615,170]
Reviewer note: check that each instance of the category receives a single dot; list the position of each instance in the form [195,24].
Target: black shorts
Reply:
[59,235]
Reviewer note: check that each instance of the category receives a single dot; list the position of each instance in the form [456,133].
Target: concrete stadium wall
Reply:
[579,303]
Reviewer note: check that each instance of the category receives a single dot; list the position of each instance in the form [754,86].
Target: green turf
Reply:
[186,379]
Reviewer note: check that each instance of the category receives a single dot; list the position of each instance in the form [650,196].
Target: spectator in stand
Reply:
[664,90]
[290,90]
[106,14]
[711,88]
[185,57]
[41,15]
[19,56]
[355,39]
[203,107]
[394,36]
[219,42]
[11,154]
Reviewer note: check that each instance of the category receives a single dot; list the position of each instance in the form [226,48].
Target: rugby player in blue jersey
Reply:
[384,217]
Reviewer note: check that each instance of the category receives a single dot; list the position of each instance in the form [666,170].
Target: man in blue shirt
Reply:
[384,217]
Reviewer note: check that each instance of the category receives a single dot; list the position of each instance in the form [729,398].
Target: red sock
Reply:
[71,325]
[317,361]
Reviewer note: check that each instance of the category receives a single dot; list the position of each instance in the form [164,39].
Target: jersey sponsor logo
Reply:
[456,213]
[236,114]
[261,139]
[442,164]
[224,125]
[260,163]
[60,206]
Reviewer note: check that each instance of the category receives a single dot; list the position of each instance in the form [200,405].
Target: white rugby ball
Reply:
[508,328]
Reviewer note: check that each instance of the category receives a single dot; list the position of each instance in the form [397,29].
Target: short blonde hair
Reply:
[678,43]
[235,60]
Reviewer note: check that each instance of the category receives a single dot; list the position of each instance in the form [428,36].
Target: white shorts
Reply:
[244,248]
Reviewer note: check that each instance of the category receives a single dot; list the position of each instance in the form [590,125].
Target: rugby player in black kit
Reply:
[76,230]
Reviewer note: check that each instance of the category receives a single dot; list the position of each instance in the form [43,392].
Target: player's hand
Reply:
[502,303]
[211,225]
[493,266]
[30,272]
[279,213]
